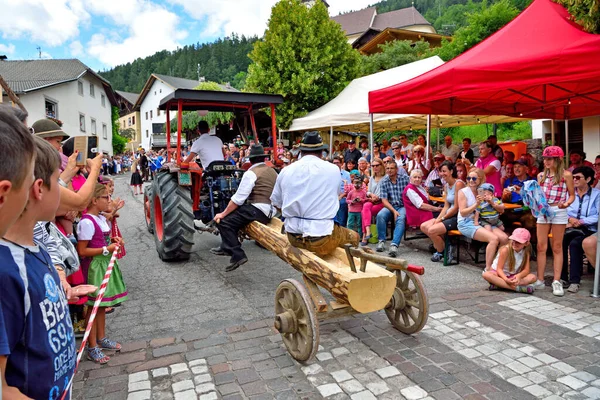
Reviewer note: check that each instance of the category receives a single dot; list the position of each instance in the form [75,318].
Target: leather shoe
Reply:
[217,251]
[236,264]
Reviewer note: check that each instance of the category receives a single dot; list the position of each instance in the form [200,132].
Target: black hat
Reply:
[312,142]
[257,151]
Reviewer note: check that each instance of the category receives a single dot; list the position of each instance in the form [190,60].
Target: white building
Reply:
[152,119]
[66,90]
[584,134]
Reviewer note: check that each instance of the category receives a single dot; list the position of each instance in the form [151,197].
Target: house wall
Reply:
[420,28]
[157,92]
[591,133]
[70,104]
[125,123]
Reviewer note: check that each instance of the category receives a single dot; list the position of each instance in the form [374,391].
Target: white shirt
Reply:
[85,227]
[307,194]
[412,164]
[415,198]
[208,148]
[246,185]
[470,201]
[519,255]
[408,150]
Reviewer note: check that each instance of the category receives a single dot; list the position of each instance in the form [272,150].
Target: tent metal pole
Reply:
[567,140]
[371,139]
[428,138]
[552,132]
[331,142]
[595,291]
[438,141]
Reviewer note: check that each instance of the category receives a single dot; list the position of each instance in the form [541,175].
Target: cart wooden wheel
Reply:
[408,308]
[296,320]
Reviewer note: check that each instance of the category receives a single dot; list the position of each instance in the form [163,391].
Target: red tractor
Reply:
[182,192]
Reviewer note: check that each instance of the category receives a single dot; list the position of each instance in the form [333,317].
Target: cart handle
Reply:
[416,269]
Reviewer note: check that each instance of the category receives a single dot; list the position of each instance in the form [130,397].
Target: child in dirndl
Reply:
[95,248]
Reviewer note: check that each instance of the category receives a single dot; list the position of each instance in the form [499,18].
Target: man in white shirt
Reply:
[251,202]
[450,151]
[208,148]
[406,148]
[307,194]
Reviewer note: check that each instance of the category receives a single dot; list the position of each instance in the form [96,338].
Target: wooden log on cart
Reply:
[365,292]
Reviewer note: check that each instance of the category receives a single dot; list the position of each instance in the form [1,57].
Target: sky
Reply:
[106,33]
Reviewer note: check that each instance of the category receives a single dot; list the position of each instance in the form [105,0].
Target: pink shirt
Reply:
[495,177]
[356,206]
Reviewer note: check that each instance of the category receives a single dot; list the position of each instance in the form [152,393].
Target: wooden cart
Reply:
[355,277]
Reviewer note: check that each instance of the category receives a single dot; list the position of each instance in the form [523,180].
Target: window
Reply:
[92,92]
[123,124]
[104,132]
[51,109]
[103,100]
[158,112]
[80,88]
[146,115]
[129,121]
[150,114]
[93,126]
[155,92]
[82,122]
[160,90]
[133,119]
[146,132]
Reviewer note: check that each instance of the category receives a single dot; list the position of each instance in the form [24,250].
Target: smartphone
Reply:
[90,148]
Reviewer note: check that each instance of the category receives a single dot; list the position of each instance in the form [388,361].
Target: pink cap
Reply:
[520,235]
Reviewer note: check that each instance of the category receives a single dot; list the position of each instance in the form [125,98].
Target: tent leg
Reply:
[428,138]
[331,142]
[567,140]
[552,132]
[595,291]
[371,140]
[438,140]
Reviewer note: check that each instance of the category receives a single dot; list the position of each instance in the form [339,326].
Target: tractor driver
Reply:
[307,194]
[251,202]
[209,148]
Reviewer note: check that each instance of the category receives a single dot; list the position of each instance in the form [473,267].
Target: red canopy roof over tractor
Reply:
[540,65]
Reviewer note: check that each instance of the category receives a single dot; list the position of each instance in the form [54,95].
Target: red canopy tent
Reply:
[540,65]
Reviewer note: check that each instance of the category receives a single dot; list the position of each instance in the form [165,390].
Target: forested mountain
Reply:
[225,60]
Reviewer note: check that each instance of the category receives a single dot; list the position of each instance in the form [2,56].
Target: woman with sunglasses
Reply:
[377,151]
[468,200]
[557,185]
[373,204]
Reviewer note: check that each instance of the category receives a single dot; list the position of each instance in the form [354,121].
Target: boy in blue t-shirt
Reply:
[37,345]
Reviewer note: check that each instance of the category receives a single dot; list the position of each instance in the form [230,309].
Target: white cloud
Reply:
[50,22]
[248,17]
[76,48]
[150,29]
[7,48]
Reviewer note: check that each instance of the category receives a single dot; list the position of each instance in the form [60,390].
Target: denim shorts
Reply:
[467,227]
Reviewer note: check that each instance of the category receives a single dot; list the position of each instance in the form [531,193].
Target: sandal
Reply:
[109,310]
[107,344]
[96,355]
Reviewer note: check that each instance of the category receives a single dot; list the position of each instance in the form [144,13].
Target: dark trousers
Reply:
[342,215]
[572,244]
[230,226]
[526,219]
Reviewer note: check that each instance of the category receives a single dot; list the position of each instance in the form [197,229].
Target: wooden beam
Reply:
[11,95]
[365,291]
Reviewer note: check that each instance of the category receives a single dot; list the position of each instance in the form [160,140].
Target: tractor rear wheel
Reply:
[149,208]
[173,218]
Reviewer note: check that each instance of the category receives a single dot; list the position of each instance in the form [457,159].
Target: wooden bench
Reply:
[418,235]
[452,238]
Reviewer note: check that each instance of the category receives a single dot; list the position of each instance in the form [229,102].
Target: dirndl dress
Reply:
[95,268]
[136,178]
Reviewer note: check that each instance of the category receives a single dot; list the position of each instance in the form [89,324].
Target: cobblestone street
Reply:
[192,331]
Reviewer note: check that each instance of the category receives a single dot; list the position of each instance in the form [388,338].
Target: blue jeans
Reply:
[342,215]
[383,217]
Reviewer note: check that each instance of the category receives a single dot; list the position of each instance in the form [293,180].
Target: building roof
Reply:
[400,18]
[175,83]
[129,97]
[360,21]
[356,21]
[370,44]
[24,76]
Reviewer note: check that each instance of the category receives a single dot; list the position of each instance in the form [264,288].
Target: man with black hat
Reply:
[352,153]
[307,194]
[209,148]
[251,202]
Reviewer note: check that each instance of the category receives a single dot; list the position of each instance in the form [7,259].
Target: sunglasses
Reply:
[471,178]
[375,165]
[577,177]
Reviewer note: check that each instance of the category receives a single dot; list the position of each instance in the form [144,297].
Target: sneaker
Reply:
[380,246]
[557,289]
[573,288]
[564,283]
[437,257]
[393,250]
[529,289]
[218,251]
[539,284]
[492,287]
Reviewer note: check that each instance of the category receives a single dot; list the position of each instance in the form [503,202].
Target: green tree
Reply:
[304,56]
[394,54]
[128,133]
[585,12]
[480,25]
[118,142]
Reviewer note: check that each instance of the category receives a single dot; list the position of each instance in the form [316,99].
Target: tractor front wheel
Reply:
[173,218]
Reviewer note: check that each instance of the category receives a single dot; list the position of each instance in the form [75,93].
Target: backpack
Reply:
[534,198]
